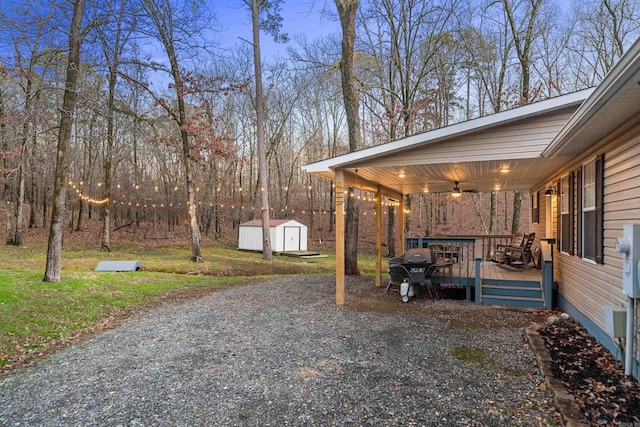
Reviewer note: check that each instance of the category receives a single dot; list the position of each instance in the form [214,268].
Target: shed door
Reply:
[291,239]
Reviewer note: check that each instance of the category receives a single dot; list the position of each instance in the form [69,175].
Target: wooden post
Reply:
[478,267]
[546,246]
[340,292]
[379,237]
[401,224]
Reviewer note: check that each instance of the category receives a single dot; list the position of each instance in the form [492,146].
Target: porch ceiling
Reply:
[482,176]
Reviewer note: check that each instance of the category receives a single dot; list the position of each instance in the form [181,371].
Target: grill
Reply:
[414,268]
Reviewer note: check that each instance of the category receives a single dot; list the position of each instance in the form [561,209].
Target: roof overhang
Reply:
[472,152]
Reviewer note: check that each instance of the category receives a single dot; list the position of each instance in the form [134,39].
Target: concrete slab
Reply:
[119,266]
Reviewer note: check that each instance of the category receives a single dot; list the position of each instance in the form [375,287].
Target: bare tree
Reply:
[113,37]
[347,10]
[524,34]
[167,22]
[604,29]
[54,248]
[271,23]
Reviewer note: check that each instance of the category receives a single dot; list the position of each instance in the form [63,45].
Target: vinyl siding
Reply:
[540,227]
[590,287]
[512,141]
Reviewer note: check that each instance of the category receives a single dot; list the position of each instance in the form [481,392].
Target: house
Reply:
[578,155]
[286,235]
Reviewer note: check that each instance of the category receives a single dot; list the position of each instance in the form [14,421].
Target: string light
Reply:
[157,204]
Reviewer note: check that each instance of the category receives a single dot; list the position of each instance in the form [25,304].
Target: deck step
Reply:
[513,301]
[512,291]
[512,283]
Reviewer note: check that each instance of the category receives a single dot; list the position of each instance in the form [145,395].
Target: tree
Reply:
[54,247]
[347,10]
[271,22]
[167,22]
[114,40]
[604,29]
[28,27]
[524,35]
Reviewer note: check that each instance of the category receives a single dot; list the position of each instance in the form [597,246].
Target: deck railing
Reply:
[466,244]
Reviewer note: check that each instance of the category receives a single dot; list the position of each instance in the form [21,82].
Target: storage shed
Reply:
[287,235]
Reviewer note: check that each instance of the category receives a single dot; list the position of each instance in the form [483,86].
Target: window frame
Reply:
[566,214]
[592,216]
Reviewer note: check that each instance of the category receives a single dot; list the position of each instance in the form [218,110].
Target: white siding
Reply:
[250,237]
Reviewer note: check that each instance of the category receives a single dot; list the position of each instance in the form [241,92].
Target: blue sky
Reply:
[299,17]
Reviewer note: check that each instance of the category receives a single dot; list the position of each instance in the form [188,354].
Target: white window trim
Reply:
[560,199]
[590,209]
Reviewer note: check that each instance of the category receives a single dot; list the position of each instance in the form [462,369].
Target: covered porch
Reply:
[501,152]
[487,281]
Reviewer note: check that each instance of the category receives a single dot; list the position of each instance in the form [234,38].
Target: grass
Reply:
[37,317]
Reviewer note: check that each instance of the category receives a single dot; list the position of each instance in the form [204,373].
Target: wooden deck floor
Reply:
[492,270]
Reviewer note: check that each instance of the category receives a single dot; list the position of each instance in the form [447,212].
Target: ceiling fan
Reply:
[456,192]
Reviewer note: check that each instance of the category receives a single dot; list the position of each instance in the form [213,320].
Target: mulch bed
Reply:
[594,377]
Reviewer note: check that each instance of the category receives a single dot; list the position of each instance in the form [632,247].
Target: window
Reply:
[592,225]
[565,214]
[535,210]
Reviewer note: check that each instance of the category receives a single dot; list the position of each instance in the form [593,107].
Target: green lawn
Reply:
[37,317]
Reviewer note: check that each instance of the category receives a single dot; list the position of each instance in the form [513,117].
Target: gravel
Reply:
[281,353]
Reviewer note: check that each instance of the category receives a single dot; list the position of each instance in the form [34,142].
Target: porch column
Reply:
[379,237]
[401,223]
[340,293]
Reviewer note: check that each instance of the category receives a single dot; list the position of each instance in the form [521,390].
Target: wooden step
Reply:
[513,301]
[512,283]
[512,291]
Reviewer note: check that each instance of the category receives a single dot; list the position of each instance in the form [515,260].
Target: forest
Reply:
[163,130]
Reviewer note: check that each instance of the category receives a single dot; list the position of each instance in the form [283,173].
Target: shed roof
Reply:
[272,222]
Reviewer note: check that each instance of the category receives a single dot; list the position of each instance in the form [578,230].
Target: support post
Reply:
[379,237]
[478,270]
[546,251]
[401,219]
[340,292]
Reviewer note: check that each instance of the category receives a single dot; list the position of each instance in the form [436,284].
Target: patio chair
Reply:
[519,256]
[498,253]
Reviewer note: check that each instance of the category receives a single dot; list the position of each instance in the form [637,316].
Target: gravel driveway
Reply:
[282,353]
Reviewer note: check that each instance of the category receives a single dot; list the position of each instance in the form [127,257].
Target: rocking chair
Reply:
[519,256]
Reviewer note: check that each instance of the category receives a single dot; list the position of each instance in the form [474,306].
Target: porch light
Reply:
[504,170]
[456,191]
[401,174]
[548,192]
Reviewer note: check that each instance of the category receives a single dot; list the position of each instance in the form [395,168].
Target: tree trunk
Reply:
[493,221]
[34,181]
[517,206]
[263,179]
[347,11]
[351,229]
[391,225]
[54,248]
[407,220]
[20,206]
[4,147]
[105,245]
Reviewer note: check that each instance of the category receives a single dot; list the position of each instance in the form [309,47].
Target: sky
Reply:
[299,17]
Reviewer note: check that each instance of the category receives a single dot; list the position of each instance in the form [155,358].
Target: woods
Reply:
[153,126]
